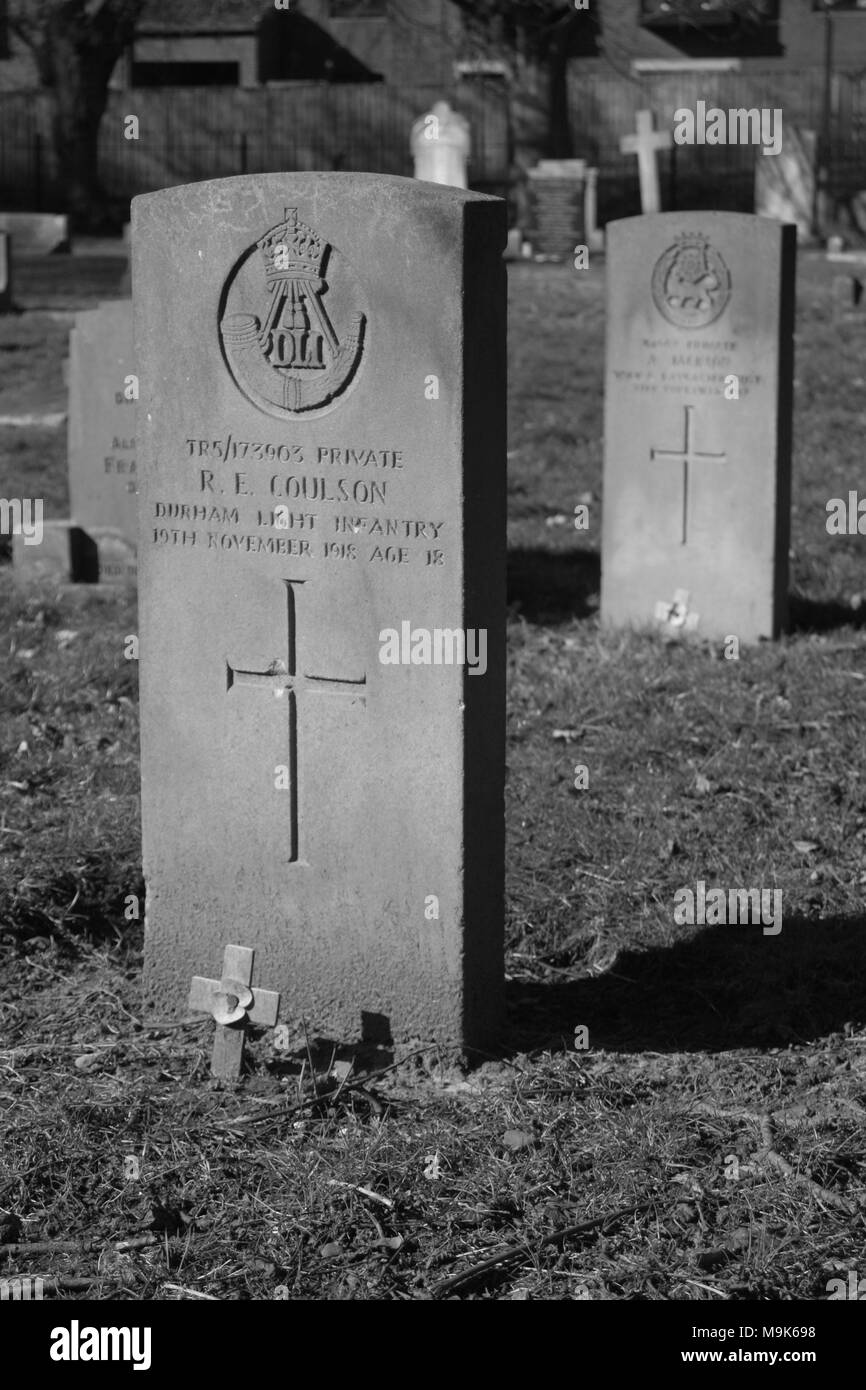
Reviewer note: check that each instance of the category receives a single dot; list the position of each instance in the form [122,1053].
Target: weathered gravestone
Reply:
[101,437]
[697,461]
[556,205]
[6,303]
[321,465]
[98,543]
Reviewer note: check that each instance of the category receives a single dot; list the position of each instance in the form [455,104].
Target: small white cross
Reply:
[644,144]
[676,615]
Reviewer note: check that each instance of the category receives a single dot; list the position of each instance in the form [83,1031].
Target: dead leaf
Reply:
[805,846]
[88,1061]
[331,1251]
[516,1139]
[391,1242]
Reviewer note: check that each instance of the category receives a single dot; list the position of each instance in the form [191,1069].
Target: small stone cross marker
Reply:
[644,144]
[233,1003]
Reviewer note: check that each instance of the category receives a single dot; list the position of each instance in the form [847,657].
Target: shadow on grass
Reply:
[548,586]
[811,615]
[728,987]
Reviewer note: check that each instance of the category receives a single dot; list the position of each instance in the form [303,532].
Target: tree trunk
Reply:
[76,117]
[559,139]
[77,46]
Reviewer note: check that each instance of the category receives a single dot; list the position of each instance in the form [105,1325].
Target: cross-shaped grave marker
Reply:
[686,456]
[677,614]
[644,144]
[282,677]
[233,1003]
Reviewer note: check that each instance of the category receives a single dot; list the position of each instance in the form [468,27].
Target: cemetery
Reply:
[433,811]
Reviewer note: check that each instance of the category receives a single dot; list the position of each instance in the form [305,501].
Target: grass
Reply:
[717,1115]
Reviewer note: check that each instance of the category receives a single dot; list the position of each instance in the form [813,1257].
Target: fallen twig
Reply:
[508,1254]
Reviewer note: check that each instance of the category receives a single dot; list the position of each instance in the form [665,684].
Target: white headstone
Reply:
[440,146]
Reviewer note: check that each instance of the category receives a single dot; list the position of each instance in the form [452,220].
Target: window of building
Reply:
[4,30]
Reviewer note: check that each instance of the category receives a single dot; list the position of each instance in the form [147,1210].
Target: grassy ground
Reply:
[712,1132]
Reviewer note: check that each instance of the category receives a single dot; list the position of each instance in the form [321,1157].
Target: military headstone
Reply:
[321,464]
[101,436]
[440,143]
[556,203]
[698,392]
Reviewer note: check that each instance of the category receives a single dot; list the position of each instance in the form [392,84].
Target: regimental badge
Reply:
[298,354]
[691,284]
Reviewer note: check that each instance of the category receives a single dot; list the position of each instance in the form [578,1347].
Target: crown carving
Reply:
[304,250]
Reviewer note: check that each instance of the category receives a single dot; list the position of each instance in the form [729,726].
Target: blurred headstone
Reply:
[441,145]
[556,207]
[36,233]
[101,437]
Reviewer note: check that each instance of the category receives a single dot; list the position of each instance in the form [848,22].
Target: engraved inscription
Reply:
[291,322]
[689,367]
[283,678]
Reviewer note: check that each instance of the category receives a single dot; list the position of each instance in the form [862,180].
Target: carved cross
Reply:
[686,456]
[283,679]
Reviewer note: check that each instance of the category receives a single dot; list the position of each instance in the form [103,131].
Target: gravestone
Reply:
[785,182]
[101,437]
[645,144]
[698,390]
[6,304]
[556,204]
[36,233]
[64,554]
[440,146]
[322,467]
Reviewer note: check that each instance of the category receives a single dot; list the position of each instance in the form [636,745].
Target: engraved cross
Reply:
[687,455]
[283,678]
